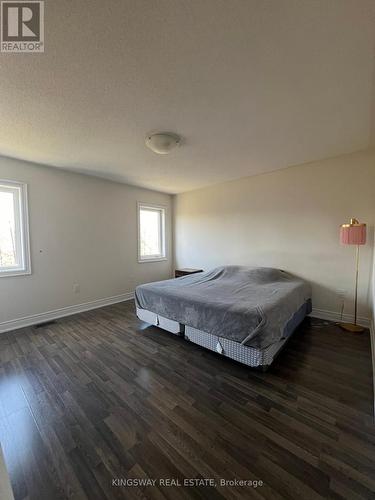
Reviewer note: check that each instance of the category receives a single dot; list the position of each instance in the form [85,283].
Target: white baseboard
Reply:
[35,319]
[336,316]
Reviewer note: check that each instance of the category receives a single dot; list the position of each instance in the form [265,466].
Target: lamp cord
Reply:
[342,310]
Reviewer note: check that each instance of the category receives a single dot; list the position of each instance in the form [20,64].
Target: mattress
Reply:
[246,355]
[248,305]
[249,356]
[165,323]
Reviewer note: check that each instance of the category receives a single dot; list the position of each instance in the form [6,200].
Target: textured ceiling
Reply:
[251,85]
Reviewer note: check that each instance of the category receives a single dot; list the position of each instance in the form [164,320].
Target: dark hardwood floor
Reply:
[100,397]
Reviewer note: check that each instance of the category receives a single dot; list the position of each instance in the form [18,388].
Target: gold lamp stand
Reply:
[353,327]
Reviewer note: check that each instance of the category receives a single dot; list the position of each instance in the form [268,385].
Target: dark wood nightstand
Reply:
[185,271]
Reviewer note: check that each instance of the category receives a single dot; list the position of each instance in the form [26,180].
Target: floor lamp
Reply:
[353,233]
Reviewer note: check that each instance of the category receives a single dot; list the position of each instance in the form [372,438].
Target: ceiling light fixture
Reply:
[162,142]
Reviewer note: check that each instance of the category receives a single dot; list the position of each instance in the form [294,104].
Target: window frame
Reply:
[163,232]
[22,224]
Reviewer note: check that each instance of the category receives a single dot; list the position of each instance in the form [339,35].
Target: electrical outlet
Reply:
[76,288]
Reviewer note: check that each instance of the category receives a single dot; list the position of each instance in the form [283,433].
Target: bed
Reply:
[244,313]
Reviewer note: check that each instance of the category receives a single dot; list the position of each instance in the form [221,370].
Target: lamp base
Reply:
[351,327]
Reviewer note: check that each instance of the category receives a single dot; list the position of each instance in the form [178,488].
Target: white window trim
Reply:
[163,238]
[24,229]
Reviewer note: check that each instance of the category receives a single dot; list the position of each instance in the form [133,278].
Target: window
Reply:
[14,231]
[151,233]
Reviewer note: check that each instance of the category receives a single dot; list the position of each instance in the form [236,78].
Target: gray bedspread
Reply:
[250,305]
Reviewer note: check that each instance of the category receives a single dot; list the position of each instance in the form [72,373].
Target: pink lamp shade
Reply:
[353,233]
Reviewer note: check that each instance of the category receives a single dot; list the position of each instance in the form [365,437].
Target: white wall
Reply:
[83,230]
[288,219]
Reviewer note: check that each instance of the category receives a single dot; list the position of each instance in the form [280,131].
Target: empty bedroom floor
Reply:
[100,397]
